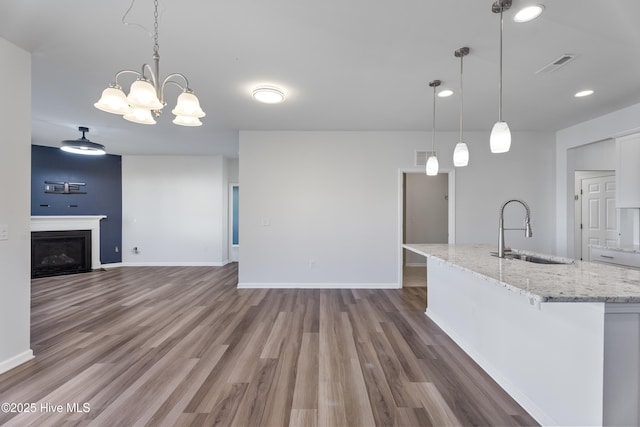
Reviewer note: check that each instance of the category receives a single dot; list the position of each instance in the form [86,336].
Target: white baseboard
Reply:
[110,265]
[175,264]
[416,264]
[16,361]
[269,285]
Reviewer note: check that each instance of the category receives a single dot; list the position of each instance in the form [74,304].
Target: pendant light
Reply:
[83,145]
[432,161]
[500,139]
[461,152]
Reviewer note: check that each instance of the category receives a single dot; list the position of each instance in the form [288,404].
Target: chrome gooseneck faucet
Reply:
[527,225]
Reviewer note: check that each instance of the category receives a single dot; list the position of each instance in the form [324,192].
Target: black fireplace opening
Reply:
[60,252]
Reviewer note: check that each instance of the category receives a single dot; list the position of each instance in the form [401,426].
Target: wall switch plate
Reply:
[266,221]
[4,231]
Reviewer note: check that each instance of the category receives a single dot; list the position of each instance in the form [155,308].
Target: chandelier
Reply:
[146,97]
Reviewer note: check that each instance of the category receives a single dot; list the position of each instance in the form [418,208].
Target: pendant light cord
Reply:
[461,96]
[500,74]
[433,129]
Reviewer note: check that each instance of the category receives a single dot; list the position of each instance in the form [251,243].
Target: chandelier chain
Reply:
[156,46]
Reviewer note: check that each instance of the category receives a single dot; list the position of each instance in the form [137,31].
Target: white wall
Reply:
[329,201]
[15,174]
[174,209]
[618,123]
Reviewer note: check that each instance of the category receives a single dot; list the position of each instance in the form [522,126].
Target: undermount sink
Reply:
[534,259]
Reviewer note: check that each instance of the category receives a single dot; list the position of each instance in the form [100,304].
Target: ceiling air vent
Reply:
[560,62]
[421,157]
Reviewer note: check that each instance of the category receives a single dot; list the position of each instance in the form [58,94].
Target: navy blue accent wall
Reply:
[103,178]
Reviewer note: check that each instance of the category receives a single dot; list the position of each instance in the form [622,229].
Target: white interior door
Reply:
[599,216]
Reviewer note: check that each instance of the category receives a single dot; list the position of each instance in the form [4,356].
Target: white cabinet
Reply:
[616,257]
[628,171]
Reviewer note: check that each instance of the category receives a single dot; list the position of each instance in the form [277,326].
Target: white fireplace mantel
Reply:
[73,222]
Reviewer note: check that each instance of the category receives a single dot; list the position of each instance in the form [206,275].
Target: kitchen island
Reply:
[562,339]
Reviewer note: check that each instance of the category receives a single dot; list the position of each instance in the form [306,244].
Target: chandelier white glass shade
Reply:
[461,151]
[433,166]
[83,145]
[500,139]
[146,96]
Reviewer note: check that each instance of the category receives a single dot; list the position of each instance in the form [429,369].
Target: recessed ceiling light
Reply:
[583,93]
[528,13]
[445,93]
[268,94]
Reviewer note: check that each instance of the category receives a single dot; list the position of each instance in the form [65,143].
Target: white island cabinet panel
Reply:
[628,171]
[562,339]
[547,356]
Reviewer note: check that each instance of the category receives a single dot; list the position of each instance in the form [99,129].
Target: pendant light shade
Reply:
[83,145]
[461,151]
[433,166]
[461,155]
[500,139]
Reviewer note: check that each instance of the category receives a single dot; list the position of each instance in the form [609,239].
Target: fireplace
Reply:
[60,252]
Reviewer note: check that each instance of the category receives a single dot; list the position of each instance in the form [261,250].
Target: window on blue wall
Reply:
[236,205]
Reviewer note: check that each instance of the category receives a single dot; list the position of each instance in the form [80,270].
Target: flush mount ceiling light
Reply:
[528,13]
[500,139]
[583,93]
[461,151]
[445,93]
[83,145]
[146,95]
[268,94]
[432,161]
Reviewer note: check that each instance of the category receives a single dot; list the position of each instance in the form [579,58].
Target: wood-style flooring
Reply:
[183,346]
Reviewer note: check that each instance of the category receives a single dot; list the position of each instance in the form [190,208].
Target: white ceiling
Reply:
[344,65]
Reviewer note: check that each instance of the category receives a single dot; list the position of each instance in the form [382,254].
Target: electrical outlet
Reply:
[4,231]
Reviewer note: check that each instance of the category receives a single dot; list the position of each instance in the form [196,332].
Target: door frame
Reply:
[577,208]
[451,211]
[234,250]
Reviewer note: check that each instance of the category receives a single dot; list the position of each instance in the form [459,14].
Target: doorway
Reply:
[234,226]
[426,215]
[596,217]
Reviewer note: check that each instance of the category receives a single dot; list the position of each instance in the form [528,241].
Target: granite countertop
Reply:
[628,249]
[579,281]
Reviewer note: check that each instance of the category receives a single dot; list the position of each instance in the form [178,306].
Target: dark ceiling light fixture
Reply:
[146,95]
[83,145]
[461,151]
[500,139]
[432,162]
